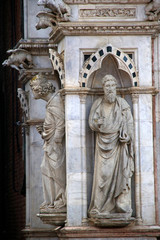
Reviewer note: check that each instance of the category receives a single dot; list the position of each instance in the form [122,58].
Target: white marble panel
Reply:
[73,160]
[42,62]
[74,199]
[145,107]
[146,133]
[30,20]
[73,133]
[72,61]
[148,197]
[72,107]
[146,156]
[74,44]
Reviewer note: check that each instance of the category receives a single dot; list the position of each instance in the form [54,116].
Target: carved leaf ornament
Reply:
[94,63]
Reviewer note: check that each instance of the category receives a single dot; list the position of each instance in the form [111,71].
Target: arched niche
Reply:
[108,60]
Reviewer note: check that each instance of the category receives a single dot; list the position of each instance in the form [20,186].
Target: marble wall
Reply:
[79,137]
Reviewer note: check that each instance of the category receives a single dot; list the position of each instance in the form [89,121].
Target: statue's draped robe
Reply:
[53,164]
[113,158]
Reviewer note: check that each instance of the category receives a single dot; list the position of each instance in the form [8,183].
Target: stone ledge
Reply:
[99,91]
[103,28]
[111,222]
[56,219]
[39,233]
[95,232]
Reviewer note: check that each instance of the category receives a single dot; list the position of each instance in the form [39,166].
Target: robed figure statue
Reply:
[52,131]
[111,119]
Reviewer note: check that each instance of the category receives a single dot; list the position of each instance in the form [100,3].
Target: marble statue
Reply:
[152,10]
[58,7]
[111,119]
[52,132]
[19,59]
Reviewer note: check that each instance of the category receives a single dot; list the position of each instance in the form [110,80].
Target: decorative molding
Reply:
[36,46]
[108,12]
[134,91]
[106,1]
[23,98]
[56,219]
[39,232]
[124,62]
[103,29]
[93,232]
[58,65]
[26,75]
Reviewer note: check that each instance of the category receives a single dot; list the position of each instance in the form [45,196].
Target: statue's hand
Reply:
[100,121]
[39,128]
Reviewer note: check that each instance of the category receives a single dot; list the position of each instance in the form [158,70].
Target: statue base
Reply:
[111,220]
[57,219]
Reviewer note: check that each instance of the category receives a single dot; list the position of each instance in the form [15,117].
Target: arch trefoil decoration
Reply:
[124,63]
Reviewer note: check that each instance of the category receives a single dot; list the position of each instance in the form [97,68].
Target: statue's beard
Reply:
[110,97]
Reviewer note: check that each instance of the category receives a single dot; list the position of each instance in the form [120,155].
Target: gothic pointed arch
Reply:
[58,65]
[123,64]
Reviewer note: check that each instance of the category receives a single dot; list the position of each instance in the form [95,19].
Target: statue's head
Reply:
[41,86]
[109,84]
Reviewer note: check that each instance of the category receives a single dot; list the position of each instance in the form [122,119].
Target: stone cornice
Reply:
[36,46]
[120,91]
[93,232]
[102,29]
[106,1]
[27,74]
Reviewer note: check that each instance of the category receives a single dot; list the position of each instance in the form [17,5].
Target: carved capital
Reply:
[135,98]
[82,98]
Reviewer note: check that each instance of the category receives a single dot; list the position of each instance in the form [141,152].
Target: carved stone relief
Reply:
[111,119]
[152,10]
[108,12]
[20,59]
[59,11]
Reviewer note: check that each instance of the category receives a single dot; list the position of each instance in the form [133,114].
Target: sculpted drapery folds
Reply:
[111,119]
[52,132]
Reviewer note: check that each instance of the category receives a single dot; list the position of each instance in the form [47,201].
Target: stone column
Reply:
[135,98]
[73,160]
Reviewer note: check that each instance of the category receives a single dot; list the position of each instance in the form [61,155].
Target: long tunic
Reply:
[113,158]
[53,164]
